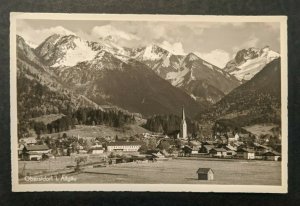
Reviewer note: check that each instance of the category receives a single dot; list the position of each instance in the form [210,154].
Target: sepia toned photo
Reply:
[105,102]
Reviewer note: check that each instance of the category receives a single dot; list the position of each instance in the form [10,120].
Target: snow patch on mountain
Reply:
[150,54]
[166,61]
[248,62]
[171,75]
[192,57]
[192,77]
[252,66]
[31,44]
[78,53]
[208,65]
[177,78]
[123,58]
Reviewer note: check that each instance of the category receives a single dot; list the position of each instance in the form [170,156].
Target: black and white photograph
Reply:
[181,103]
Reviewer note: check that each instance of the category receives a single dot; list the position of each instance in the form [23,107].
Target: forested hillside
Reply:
[256,101]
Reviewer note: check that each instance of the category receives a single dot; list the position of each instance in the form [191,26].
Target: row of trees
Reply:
[89,116]
[62,124]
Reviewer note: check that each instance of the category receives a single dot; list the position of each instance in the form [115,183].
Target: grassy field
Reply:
[260,129]
[176,171]
[86,131]
[46,119]
[184,172]
[52,165]
[39,167]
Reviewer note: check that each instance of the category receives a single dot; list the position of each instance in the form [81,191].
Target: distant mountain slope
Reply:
[130,85]
[249,62]
[201,80]
[59,50]
[39,90]
[109,77]
[256,101]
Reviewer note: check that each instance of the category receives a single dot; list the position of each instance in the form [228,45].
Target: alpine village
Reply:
[86,107]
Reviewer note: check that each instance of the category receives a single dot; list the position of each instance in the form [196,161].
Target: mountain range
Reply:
[148,80]
[256,101]
[105,79]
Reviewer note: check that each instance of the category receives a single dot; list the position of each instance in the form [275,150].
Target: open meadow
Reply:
[177,171]
[183,171]
[87,131]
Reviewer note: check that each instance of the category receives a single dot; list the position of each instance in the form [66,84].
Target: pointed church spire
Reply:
[183,126]
[183,115]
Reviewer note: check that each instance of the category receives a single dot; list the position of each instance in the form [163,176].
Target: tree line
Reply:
[84,116]
[170,124]
[89,116]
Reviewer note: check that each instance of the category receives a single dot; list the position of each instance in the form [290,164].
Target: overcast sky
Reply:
[215,42]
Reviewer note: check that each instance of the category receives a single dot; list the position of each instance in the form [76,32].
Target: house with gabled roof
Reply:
[218,152]
[205,149]
[186,151]
[96,149]
[231,150]
[205,174]
[245,153]
[272,155]
[35,152]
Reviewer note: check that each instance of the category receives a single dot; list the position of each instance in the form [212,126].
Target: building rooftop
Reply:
[209,147]
[124,143]
[219,149]
[36,147]
[204,170]
[273,153]
[246,150]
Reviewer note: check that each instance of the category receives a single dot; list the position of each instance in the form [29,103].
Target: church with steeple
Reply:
[183,126]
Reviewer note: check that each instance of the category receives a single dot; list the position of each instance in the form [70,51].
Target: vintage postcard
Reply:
[179,103]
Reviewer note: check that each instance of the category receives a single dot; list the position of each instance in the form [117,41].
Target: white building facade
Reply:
[183,126]
[124,146]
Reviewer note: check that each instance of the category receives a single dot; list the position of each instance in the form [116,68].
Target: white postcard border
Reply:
[17,187]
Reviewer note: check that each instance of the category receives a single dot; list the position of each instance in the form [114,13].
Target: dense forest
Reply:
[85,116]
[170,124]
[42,100]
[89,116]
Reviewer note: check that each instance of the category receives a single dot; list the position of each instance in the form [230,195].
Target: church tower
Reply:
[183,127]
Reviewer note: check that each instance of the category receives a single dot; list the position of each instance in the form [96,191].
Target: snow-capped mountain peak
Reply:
[248,62]
[192,57]
[152,52]
[68,50]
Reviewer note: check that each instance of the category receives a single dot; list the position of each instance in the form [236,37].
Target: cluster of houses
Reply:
[236,150]
[30,150]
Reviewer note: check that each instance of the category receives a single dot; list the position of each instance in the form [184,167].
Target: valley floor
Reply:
[183,171]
